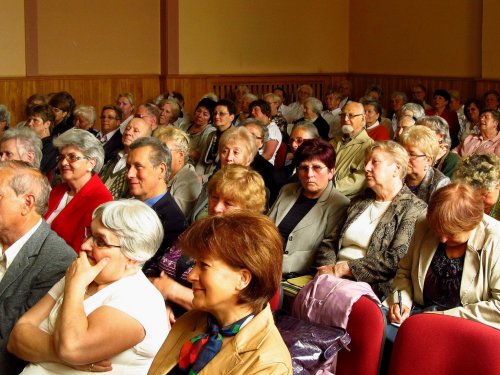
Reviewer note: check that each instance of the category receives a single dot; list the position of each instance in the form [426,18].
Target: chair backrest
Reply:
[439,344]
[366,327]
[279,160]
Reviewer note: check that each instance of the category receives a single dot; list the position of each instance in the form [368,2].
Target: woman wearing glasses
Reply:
[422,146]
[104,315]
[379,225]
[307,211]
[71,202]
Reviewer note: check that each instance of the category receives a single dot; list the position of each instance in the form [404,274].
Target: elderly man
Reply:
[110,135]
[150,113]
[32,257]
[114,172]
[332,111]
[350,149]
[295,110]
[312,113]
[345,89]
[148,165]
[21,144]
[398,99]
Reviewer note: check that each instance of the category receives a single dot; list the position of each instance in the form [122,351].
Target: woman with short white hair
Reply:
[104,315]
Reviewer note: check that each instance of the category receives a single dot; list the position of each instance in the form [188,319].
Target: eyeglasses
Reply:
[98,242]
[350,116]
[413,156]
[221,114]
[306,168]
[107,118]
[71,158]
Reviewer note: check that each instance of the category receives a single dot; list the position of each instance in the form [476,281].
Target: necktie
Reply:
[198,351]
[3,264]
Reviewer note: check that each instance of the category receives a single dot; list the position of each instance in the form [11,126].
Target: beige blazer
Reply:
[257,349]
[480,286]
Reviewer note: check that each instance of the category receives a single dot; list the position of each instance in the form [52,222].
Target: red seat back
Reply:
[279,160]
[439,344]
[366,327]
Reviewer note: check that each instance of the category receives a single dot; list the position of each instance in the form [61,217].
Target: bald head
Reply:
[353,118]
[136,128]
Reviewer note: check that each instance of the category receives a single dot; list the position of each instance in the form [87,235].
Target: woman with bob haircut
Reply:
[234,187]
[170,111]
[183,183]
[307,211]
[72,201]
[104,315]
[422,146]
[370,243]
[482,172]
[452,262]
[231,329]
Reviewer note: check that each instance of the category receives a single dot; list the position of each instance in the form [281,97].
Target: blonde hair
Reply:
[422,137]
[481,171]
[241,184]
[176,135]
[395,151]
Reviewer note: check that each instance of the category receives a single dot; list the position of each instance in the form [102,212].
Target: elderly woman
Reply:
[482,172]
[104,296]
[422,146]
[183,184]
[72,202]
[62,105]
[312,113]
[373,115]
[170,111]
[261,110]
[40,119]
[4,119]
[307,211]
[126,102]
[236,146]
[234,187]
[199,129]
[446,161]
[379,224]
[452,262]
[231,317]
[488,139]
[472,107]
[84,117]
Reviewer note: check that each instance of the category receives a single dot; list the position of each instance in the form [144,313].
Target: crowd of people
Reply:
[155,240]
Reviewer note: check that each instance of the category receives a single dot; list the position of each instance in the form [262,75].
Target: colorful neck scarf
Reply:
[198,351]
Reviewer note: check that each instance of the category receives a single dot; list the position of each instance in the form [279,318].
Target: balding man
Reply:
[32,257]
[114,172]
[21,144]
[150,113]
[350,149]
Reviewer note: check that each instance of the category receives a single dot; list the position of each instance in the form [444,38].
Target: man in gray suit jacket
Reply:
[32,257]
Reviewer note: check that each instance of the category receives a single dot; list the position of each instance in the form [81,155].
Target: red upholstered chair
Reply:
[366,327]
[438,344]
[279,160]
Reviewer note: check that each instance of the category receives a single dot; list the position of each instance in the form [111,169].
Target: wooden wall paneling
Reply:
[484,85]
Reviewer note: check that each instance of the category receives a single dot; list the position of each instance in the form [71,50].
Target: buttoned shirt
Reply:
[477,144]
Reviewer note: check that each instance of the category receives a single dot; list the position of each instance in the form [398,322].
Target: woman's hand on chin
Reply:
[81,273]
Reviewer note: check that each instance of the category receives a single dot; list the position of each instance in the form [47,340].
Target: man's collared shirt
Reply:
[151,201]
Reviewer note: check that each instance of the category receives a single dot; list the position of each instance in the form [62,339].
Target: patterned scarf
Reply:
[198,351]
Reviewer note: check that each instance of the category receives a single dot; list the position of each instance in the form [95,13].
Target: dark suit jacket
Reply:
[112,146]
[174,223]
[40,263]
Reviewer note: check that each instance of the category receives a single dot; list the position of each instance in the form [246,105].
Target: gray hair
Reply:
[27,141]
[264,131]
[481,171]
[137,225]
[152,110]
[316,104]
[28,179]
[4,114]
[174,106]
[179,137]
[84,141]
[274,97]
[87,112]
[307,126]
[159,152]
[307,87]
[439,125]
[416,109]
[399,94]
[251,97]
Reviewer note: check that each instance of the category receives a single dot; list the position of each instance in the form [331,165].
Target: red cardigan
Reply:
[71,222]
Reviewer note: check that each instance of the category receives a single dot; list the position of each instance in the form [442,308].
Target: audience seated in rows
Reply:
[488,139]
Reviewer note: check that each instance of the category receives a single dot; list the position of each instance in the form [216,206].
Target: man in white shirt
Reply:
[32,256]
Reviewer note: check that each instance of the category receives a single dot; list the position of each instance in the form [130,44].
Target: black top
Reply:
[443,279]
[299,209]
[49,155]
